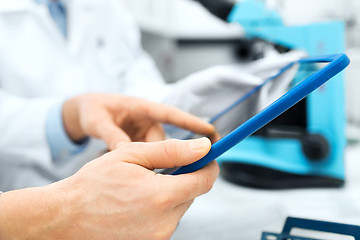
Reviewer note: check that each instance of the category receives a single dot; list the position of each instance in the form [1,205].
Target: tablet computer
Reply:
[335,64]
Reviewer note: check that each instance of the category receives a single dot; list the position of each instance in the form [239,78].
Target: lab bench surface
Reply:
[230,212]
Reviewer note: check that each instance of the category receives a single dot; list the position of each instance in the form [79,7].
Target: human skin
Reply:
[117,196]
[119,119]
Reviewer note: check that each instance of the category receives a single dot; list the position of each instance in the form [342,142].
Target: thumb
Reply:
[166,154]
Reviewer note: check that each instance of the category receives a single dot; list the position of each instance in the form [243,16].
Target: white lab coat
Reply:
[39,67]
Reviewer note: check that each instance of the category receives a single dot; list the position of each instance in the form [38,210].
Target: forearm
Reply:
[32,213]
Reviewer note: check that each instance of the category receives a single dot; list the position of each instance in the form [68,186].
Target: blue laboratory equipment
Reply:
[304,147]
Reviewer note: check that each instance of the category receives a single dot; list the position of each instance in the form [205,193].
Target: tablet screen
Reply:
[262,96]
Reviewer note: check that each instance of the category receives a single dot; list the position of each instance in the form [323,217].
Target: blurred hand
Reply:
[116,196]
[118,119]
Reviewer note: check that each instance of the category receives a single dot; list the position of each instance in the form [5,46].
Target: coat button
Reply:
[100,42]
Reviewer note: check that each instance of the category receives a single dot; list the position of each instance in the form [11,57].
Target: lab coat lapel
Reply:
[81,23]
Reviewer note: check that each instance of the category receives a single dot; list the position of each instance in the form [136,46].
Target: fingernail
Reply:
[200,144]
[211,127]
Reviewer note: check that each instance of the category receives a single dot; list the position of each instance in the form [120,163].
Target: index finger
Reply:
[172,115]
[186,187]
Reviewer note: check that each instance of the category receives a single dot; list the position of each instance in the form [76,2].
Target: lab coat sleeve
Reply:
[23,133]
[61,145]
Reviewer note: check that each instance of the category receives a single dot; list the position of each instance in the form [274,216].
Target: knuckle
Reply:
[206,184]
[91,123]
[170,148]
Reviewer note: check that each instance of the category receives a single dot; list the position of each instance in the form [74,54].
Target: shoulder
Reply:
[14,6]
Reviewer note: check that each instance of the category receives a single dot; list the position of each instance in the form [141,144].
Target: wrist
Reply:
[71,121]
[33,213]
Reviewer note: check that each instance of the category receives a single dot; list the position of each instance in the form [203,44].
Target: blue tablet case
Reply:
[336,63]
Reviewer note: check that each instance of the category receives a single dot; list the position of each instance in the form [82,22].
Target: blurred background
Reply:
[183,37]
